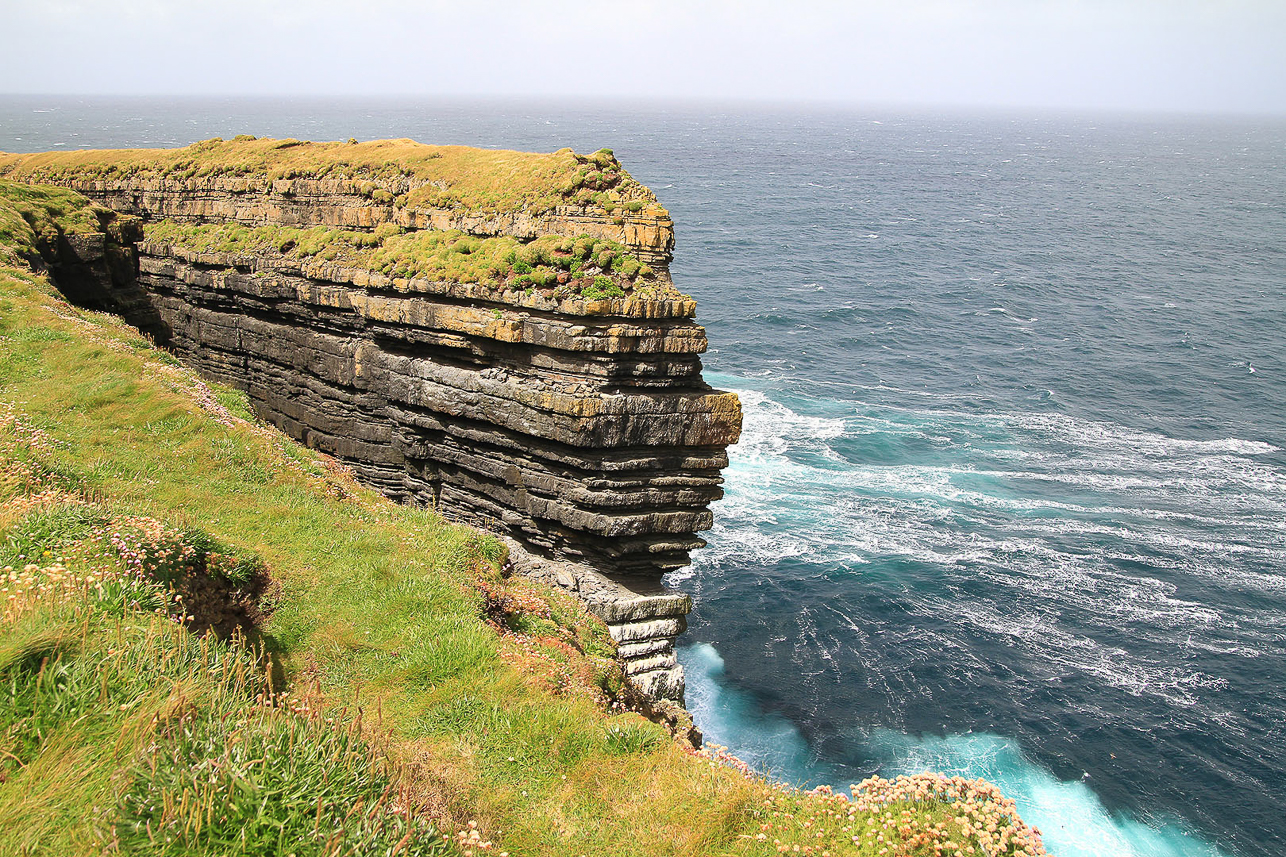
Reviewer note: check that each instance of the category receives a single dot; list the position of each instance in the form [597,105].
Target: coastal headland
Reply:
[494,334]
[216,640]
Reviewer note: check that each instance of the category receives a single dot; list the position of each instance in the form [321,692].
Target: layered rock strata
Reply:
[577,425]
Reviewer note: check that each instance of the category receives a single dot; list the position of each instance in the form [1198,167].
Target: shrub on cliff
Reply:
[600,289]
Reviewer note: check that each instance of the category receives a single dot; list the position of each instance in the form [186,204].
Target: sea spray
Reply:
[1028,568]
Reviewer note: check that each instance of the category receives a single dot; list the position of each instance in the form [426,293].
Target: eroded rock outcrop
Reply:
[508,348]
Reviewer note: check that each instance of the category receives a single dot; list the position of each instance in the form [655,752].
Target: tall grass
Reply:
[185,749]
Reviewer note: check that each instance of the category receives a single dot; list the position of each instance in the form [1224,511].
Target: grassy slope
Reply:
[380,607]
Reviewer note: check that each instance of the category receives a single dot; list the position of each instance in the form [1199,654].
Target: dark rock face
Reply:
[580,429]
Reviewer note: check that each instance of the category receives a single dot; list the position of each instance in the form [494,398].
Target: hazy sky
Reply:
[1198,55]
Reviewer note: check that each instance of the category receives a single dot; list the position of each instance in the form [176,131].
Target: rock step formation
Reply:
[341,204]
[578,426]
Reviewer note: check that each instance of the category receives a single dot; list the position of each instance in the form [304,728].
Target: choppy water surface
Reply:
[1011,497]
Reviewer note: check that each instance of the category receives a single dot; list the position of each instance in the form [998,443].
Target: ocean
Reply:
[1011,496]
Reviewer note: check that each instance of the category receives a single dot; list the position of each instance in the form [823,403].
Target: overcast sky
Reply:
[1188,55]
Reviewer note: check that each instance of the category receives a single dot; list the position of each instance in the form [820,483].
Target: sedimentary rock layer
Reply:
[575,422]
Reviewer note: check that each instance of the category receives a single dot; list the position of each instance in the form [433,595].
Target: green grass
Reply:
[562,267]
[121,730]
[32,214]
[485,700]
[449,177]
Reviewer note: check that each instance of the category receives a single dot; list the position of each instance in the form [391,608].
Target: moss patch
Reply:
[591,267]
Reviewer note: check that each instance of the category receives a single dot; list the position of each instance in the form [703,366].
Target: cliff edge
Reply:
[492,333]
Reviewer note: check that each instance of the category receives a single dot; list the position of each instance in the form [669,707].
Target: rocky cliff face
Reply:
[552,394]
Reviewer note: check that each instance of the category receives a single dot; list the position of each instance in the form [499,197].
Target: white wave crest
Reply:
[1072,820]
[1142,534]
[1093,434]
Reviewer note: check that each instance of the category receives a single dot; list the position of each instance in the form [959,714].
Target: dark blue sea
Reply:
[1011,496]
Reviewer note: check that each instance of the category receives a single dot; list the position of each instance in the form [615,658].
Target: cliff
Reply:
[492,333]
[461,709]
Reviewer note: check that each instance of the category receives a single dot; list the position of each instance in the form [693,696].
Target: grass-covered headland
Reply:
[373,683]
[485,181]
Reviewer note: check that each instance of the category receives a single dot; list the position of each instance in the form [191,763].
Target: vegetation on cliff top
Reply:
[34,214]
[401,172]
[560,267]
[398,695]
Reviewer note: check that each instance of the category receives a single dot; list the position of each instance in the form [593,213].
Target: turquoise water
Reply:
[998,583]
[1070,816]
[1011,498]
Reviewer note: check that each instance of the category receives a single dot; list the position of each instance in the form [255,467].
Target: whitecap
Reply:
[770,744]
